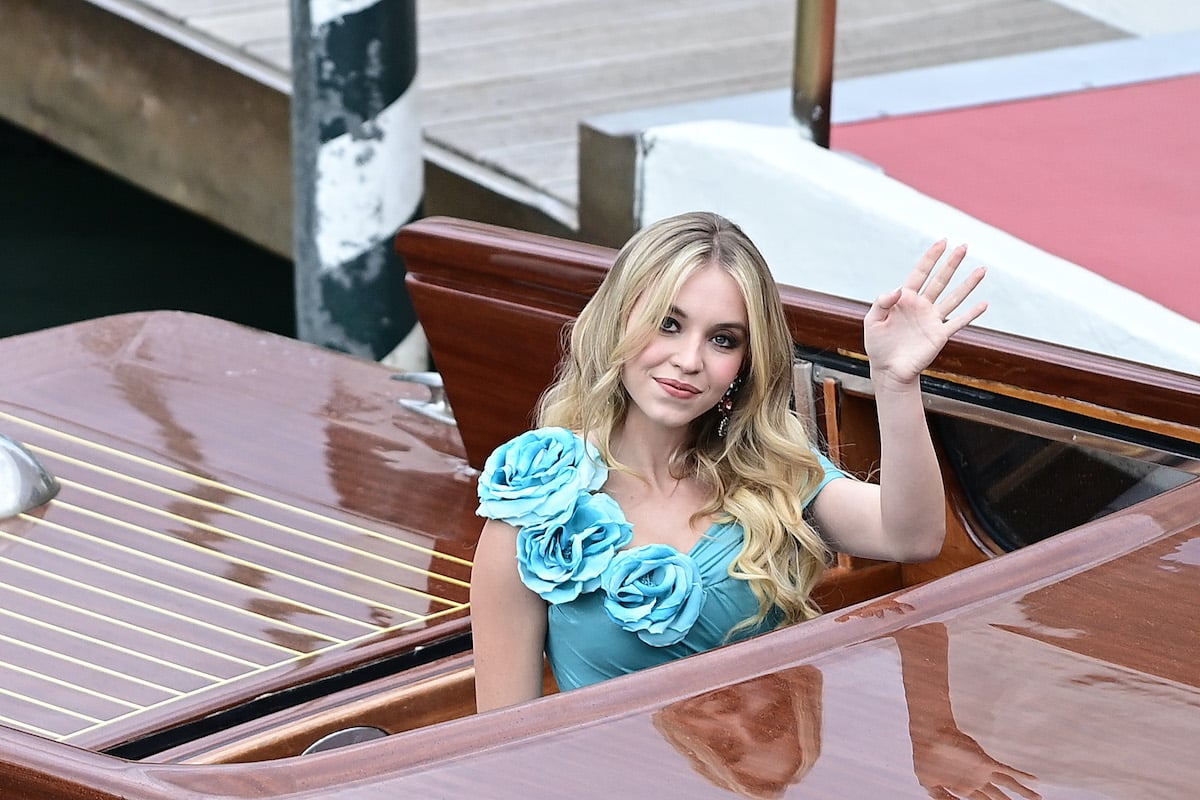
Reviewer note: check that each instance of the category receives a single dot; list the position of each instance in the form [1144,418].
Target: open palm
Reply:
[906,328]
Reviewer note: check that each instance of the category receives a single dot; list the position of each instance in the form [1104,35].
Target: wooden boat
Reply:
[258,543]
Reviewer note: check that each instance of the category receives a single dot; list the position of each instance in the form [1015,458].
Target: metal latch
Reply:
[436,407]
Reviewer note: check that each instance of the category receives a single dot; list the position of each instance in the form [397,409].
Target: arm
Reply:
[508,623]
[947,762]
[903,518]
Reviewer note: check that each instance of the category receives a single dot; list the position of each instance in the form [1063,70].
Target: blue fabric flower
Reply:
[564,558]
[653,591]
[538,477]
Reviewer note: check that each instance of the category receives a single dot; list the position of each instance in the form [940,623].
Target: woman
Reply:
[660,508]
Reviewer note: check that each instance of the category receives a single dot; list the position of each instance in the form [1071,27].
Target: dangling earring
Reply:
[725,406]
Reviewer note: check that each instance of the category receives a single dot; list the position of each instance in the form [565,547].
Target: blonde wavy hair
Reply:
[763,469]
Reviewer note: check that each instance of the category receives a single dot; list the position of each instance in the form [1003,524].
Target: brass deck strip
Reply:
[66,712]
[261,593]
[244,668]
[96,667]
[83,637]
[401,626]
[133,601]
[24,726]
[136,709]
[253,542]
[68,685]
[158,584]
[120,623]
[281,664]
[231,489]
[224,509]
[220,556]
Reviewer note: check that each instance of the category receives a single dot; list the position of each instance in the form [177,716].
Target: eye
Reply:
[669,325]
[726,341]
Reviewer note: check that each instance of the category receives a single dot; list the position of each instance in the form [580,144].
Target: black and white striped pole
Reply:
[357,167]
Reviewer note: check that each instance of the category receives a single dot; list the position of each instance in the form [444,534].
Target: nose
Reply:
[688,355]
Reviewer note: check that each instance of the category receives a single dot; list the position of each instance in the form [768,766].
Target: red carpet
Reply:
[1106,178]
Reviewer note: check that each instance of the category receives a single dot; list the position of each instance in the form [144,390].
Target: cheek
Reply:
[637,366]
[653,353]
[728,369]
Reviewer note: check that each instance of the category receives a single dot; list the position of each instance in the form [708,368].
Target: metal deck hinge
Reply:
[436,407]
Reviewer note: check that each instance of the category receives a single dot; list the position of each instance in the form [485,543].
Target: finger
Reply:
[1009,772]
[947,304]
[989,792]
[916,279]
[1013,785]
[945,273]
[956,324]
[883,304]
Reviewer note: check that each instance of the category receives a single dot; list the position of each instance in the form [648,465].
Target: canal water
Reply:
[77,243]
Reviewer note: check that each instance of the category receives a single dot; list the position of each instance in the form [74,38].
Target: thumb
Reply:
[883,304]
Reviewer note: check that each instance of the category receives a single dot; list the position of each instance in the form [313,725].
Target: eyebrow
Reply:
[676,311]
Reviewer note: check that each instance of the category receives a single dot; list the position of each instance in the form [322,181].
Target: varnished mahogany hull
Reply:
[1021,653]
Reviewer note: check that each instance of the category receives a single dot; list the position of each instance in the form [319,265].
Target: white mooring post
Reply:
[357,167]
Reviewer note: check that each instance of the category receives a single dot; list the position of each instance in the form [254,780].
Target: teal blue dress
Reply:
[612,610]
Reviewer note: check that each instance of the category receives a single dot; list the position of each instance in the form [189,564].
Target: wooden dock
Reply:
[189,98]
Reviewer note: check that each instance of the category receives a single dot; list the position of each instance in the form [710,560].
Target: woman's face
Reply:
[755,738]
[694,356]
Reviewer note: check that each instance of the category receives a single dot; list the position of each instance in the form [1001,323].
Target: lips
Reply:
[677,389]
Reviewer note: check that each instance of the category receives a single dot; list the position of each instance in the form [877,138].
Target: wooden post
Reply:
[812,74]
[357,168]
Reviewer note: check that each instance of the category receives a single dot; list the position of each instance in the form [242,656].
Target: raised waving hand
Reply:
[906,328]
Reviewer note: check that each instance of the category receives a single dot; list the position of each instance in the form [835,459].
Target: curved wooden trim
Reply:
[1011,364]
[426,695]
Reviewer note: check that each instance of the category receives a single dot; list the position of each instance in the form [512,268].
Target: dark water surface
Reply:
[78,243]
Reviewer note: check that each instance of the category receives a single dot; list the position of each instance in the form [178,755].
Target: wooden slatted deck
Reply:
[178,571]
[505,83]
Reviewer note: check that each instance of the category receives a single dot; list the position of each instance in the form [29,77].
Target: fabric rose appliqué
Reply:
[564,558]
[538,476]
[653,591]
